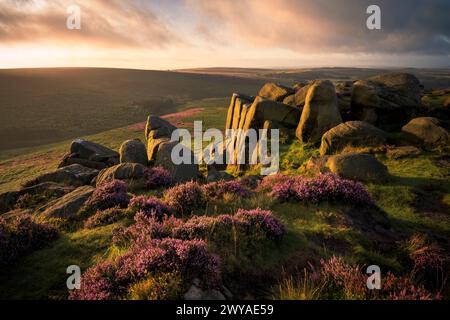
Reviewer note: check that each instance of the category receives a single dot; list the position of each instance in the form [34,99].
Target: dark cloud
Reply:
[419,26]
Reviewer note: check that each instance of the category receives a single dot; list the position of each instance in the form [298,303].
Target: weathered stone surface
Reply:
[157,131]
[426,132]
[50,189]
[275,92]
[157,127]
[123,171]
[68,205]
[351,134]
[179,172]
[357,166]
[133,151]
[238,103]
[402,152]
[74,174]
[320,112]
[386,99]
[92,151]
[262,110]
[446,102]
[344,94]
[72,158]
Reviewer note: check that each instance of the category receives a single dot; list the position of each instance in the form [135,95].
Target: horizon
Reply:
[189,34]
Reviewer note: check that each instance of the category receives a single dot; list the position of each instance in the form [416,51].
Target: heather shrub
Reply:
[268,182]
[185,198]
[149,206]
[190,259]
[326,187]
[262,220]
[217,190]
[157,177]
[146,227]
[162,286]
[105,217]
[22,235]
[109,195]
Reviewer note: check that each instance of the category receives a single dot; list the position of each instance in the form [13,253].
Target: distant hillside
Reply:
[39,106]
[430,78]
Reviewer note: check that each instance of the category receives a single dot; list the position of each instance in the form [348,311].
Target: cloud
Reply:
[104,23]
[310,26]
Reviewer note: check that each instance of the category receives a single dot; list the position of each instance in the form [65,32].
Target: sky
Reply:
[176,34]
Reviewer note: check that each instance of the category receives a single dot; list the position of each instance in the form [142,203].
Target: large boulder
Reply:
[130,172]
[92,151]
[180,172]
[75,174]
[357,166]
[47,189]
[133,151]
[386,99]
[275,92]
[426,132]
[157,131]
[356,134]
[320,113]
[73,158]
[68,205]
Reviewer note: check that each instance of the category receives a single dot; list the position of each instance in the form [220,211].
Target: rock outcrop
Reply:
[355,134]
[357,166]
[426,132]
[133,151]
[157,131]
[320,113]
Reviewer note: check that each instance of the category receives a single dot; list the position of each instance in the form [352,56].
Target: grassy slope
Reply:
[41,106]
[42,273]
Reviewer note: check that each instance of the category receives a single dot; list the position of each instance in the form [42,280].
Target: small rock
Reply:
[94,152]
[357,166]
[133,151]
[75,174]
[214,176]
[275,92]
[123,171]
[68,205]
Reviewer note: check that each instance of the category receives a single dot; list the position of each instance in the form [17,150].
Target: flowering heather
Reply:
[262,219]
[425,256]
[157,177]
[149,206]
[102,218]
[185,198]
[145,228]
[190,259]
[216,190]
[109,195]
[350,281]
[268,182]
[22,235]
[326,187]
